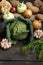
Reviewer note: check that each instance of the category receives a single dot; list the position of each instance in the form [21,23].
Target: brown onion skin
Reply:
[37,24]
[27,13]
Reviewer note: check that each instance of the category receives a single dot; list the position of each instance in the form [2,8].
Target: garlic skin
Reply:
[38,33]
[5,44]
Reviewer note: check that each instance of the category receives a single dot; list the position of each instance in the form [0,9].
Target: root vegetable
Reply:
[14,2]
[37,24]
[21,7]
[41,9]
[29,4]
[39,16]
[27,13]
[13,10]
[8,16]
[39,4]
[33,8]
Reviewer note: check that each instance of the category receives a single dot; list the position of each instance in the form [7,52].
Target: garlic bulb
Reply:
[5,44]
[38,33]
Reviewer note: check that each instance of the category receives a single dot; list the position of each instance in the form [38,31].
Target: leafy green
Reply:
[28,28]
[19,30]
[8,35]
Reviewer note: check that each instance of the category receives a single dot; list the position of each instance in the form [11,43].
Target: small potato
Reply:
[14,2]
[34,9]
[40,16]
[41,9]
[29,4]
[38,3]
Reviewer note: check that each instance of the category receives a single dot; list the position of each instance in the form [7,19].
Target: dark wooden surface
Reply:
[15,55]
[20,63]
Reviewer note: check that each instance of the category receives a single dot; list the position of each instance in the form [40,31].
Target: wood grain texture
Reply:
[15,53]
[20,63]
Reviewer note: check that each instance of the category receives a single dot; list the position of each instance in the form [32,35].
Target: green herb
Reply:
[36,47]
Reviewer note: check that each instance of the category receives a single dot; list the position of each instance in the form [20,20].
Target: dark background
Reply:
[14,56]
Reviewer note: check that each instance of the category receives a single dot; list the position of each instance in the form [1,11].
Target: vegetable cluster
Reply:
[19,28]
